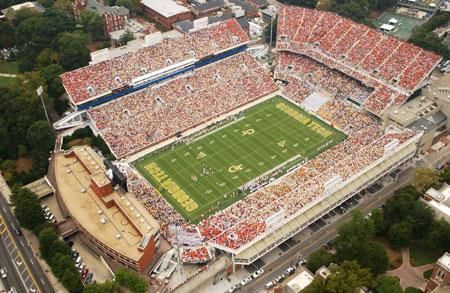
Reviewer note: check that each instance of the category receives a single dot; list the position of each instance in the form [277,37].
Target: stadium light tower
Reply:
[39,92]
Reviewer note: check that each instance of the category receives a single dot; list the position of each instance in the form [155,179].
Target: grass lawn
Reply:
[403,29]
[420,255]
[427,274]
[205,174]
[9,67]
[395,256]
[412,290]
[5,81]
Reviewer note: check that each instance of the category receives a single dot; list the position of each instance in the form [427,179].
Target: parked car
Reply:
[258,273]
[3,273]
[280,278]
[290,270]
[234,288]
[246,280]
[270,284]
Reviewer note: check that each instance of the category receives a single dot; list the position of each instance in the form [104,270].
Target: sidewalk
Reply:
[410,276]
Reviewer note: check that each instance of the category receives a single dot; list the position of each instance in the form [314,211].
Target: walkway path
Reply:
[410,276]
[8,75]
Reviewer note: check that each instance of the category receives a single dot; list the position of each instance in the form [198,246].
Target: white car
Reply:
[234,288]
[258,273]
[270,285]
[3,273]
[246,280]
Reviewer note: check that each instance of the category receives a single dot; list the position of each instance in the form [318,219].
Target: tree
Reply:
[106,287]
[438,237]
[445,175]
[40,137]
[38,33]
[92,24]
[17,17]
[129,4]
[27,208]
[424,178]
[387,284]
[348,277]
[73,51]
[46,57]
[355,243]
[126,37]
[130,280]
[400,234]
[6,35]
[379,224]
[46,239]
[420,218]
[319,258]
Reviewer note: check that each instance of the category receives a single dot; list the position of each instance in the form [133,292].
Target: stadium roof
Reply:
[166,8]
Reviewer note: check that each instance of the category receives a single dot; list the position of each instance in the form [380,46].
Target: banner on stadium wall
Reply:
[332,184]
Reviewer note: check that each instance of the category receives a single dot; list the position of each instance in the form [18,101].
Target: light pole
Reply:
[39,91]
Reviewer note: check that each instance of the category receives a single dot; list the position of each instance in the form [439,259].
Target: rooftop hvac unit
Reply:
[83,190]
[68,171]
[99,212]
[118,236]
[103,221]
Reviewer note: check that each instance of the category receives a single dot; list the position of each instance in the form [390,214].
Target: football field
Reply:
[204,175]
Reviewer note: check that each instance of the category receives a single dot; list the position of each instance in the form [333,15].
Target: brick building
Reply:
[165,12]
[440,278]
[114,18]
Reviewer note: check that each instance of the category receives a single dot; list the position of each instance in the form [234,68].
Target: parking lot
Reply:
[93,264]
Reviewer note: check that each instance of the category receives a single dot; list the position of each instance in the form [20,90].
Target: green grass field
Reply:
[405,26]
[203,176]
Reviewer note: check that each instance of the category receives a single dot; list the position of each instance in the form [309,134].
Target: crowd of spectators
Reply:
[195,255]
[155,114]
[316,75]
[363,53]
[96,79]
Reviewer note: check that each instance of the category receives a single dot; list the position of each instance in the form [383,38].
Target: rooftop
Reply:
[301,281]
[30,5]
[40,187]
[124,227]
[166,8]
[412,110]
[444,261]
[439,200]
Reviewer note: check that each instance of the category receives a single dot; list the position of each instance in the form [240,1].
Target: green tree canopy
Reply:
[387,284]
[6,35]
[400,234]
[348,277]
[40,137]
[425,178]
[130,280]
[319,258]
[27,208]
[355,243]
[129,4]
[92,24]
[73,50]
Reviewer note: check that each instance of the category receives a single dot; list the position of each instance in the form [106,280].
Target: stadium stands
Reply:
[99,79]
[142,119]
[393,67]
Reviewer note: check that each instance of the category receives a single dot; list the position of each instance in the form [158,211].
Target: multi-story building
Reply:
[114,18]
[440,278]
[111,220]
[165,12]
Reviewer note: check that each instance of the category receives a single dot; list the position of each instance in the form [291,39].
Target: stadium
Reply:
[223,156]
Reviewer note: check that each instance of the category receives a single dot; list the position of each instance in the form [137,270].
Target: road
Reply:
[321,237]
[6,261]
[18,249]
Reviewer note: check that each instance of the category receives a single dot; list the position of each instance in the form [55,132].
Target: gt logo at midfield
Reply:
[249,131]
[235,168]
